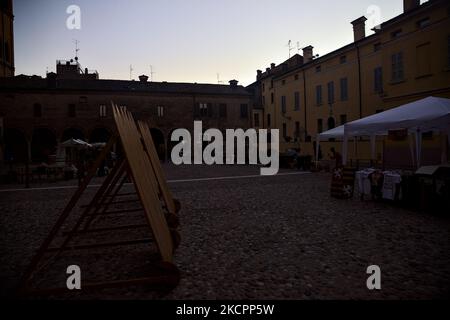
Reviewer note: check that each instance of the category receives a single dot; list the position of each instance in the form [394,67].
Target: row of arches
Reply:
[44,142]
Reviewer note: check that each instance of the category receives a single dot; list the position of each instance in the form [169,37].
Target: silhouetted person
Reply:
[337,157]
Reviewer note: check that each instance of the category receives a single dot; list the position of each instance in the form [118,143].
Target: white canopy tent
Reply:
[75,143]
[429,114]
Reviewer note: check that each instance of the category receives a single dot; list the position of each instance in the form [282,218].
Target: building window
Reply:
[331,123]
[377,47]
[244,111]
[343,59]
[283,104]
[264,101]
[318,69]
[71,111]
[284,130]
[102,111]
[269,121]
[263,87]
[423,60]
[296,77]
[422,23]
[271,98]
[203,109]
[397,66]
[271,84]
[319,126]
[160,111]
[256,119]
[83,99]
[297,101]
[344,89]
[297,129]
[378,80]
[319,95]
[343,119]
[37,110]
[396,34]
[330,92]
[223,110]
[283,82]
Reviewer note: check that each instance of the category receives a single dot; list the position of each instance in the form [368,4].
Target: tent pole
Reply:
[345,148]
[444,144]
[418,147]
[372,146]
[411,149]
[317,149]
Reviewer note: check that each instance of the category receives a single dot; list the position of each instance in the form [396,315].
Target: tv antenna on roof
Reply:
[289,45]
[131,72]
[151,73]
[76,48]
[218,79]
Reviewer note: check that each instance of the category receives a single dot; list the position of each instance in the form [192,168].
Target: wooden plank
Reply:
[156,165]
[142,172]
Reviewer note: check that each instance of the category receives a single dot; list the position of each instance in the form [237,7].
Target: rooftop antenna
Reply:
[218,79]
[76,48]
[289,45]
[298,47]
[151,73]
[131,72]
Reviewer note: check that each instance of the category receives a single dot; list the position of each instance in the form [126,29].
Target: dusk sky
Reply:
[184,40]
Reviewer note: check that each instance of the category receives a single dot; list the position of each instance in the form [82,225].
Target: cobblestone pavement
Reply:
[279,237]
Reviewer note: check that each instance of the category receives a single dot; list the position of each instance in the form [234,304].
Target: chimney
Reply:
[51,80]
[359,28]
[409,5]
[143,78]
[267,69]
[86,71]
[308,54]
[233,83]
[272,66]
[258,74]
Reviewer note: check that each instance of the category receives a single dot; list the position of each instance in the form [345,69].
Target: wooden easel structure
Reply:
[141,165]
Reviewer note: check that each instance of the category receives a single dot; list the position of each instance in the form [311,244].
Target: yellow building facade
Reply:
[406,59]
[6,39]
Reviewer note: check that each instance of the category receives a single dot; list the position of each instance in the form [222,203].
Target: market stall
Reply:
[427,115]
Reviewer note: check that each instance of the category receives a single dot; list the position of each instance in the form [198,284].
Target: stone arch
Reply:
[159,141]
[100,135]
[43,144]
[73,133]
[16,146]
[170,144]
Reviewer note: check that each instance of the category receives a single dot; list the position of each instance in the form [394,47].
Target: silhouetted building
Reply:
[40,112]
[6,38]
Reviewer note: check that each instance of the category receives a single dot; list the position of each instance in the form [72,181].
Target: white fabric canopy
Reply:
[332,134]
[419,116]
[425,115]
[76,143]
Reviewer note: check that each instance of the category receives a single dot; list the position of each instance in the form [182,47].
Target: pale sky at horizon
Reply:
[184,40]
